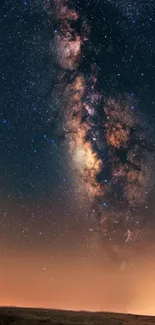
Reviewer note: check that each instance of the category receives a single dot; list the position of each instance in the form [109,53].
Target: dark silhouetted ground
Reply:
[27,316]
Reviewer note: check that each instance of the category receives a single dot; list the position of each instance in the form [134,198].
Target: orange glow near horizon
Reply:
[42,283]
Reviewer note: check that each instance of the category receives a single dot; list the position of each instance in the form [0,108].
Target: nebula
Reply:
[109,143]
[67,43]
[133,159]
[67,49]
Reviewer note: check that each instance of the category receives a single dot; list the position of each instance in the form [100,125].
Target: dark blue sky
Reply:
[33,165]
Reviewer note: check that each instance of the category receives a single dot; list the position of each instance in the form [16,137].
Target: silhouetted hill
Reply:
[31,316]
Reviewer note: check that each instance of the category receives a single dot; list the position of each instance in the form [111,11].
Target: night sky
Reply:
[77,153]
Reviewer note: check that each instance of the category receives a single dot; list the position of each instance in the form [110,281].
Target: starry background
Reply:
[33,176]
[41,219]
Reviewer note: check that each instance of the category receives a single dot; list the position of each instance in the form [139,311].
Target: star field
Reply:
[77,146]
[33,175]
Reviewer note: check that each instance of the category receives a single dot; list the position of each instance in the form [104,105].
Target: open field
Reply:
[28,316]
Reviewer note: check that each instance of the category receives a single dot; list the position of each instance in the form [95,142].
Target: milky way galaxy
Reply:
[77,159]
[109,143]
